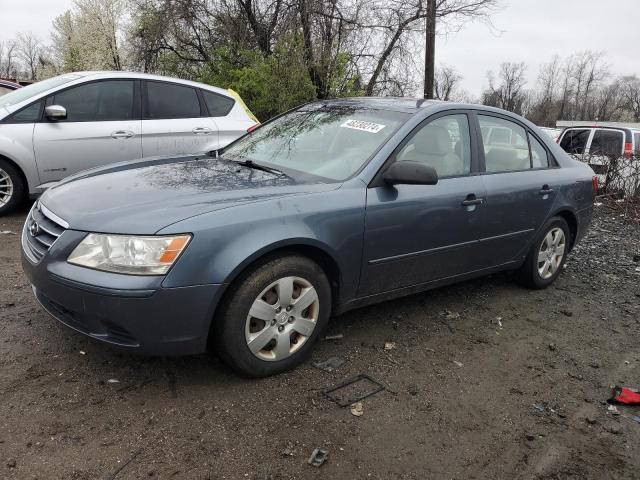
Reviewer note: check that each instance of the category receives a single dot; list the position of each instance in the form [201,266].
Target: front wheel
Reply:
[272,316]
[12,188]
[547,255]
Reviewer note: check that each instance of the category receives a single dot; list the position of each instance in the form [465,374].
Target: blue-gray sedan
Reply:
[334,205]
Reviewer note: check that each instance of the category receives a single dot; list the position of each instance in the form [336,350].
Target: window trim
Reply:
[378,181]
[145,100]
[553,164]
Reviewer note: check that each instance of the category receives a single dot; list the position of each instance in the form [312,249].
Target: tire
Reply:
[278,343]
[531,274]
[12,188]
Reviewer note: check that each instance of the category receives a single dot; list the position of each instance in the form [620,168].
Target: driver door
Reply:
[417,234]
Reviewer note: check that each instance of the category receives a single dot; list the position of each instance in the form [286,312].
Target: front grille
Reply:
[41,231]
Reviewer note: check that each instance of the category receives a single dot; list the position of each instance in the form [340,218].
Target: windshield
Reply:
[331,142]
[29,91]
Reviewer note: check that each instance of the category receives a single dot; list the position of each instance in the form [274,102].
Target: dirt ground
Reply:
[486,380]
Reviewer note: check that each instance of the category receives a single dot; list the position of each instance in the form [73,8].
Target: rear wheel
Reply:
[12,188]
[272,316]
[547,255]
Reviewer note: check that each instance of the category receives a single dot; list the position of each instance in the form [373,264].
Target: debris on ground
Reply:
[460,364]
[539,407]
[318,457]
[389,345]
[288,451]
[613,410]
[337,336]
[330,364]
[113,380]
[354,389]
[357,409]
[625,396]
[449,315]
[7,232]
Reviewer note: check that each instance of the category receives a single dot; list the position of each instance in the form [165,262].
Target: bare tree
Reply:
[507,91]
[8,64]
[630,96]
[392,21]
[30,52]
[446,82]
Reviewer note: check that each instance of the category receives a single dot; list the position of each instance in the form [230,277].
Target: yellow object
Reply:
[243,105]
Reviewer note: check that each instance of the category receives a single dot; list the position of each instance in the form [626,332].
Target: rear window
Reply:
[607,142]
[575,141]
[218,105]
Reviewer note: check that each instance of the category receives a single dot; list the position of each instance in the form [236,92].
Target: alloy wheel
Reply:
[551,253]
[282,318]
[6,188]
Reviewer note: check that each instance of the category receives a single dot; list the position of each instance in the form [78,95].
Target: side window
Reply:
[168,100]
[97,101]
[607,142]
[218,105]
[505,146]
[575,141]
[443,144]
[28,114]
[539,157]
[636,140]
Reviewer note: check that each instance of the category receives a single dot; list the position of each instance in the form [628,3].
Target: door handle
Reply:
[201,131]
[122,134]
[471,200]
[545,190]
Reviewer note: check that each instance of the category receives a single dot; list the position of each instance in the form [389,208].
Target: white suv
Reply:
[613,152]
[57,127]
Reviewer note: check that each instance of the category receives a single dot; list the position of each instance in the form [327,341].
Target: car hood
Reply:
[142,197]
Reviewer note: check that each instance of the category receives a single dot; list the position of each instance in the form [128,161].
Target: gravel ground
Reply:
[484,380]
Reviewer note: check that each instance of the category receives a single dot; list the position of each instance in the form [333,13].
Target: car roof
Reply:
[96,75]
[9,83]
[414,105]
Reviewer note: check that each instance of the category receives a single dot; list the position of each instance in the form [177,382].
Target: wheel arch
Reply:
[309,248]
[572,220]
[20,171]
[305,247]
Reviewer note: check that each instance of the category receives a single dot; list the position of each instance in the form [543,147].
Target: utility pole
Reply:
[430,50]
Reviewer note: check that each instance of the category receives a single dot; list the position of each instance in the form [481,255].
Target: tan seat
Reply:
[432,146]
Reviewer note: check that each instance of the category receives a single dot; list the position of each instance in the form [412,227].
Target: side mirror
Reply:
[55,112]
[410,173]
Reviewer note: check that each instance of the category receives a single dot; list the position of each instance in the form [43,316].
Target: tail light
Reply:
[252,128]
[594,184]
[628,149]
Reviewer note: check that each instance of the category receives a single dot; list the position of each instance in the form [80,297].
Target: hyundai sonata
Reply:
[334,205]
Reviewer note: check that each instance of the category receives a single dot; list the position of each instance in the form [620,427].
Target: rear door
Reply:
[102,127]
[521,184]
[421,233]
[175,120]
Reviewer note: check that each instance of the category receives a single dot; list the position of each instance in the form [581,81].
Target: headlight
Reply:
[129,254]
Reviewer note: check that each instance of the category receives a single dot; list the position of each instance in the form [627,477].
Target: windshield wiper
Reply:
[259,166]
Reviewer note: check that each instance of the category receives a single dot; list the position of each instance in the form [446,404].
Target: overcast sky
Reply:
[523,30]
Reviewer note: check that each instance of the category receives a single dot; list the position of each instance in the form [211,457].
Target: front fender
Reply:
[16,145]
[225,242]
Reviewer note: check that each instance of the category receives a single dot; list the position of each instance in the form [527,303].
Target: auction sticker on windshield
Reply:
[362,125]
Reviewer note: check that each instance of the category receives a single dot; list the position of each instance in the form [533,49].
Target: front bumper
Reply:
[131,312]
